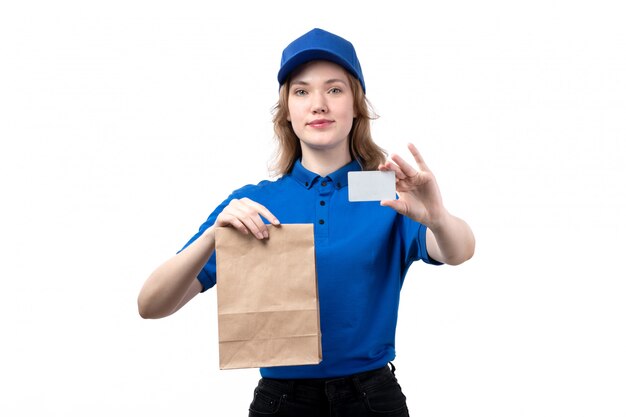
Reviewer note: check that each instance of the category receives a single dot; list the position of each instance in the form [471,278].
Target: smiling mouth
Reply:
[320,123]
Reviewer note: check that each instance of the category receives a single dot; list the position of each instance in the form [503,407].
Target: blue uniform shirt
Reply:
[363,252]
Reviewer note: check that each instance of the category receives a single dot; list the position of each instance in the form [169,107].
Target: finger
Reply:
[240,214]
[397,205]
[248,215]
[255,211]
[406,168]
[418,158]
[226,218]
[256,226]
[390,166]
[263,211]
[234,222]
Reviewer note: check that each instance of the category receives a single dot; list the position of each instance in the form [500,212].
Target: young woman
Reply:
[363,250]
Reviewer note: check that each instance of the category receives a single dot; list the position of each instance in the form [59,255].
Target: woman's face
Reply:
[321,106]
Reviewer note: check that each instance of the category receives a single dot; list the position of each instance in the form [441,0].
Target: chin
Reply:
[325,144]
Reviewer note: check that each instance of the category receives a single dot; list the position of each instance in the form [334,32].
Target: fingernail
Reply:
[266,234]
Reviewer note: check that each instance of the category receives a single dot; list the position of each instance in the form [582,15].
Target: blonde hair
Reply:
[362,146]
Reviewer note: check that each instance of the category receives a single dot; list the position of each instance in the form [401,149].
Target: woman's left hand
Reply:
[418,192]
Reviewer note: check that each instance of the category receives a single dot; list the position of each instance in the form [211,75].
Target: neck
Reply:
[324,162]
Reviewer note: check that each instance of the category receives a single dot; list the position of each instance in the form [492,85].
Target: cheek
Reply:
[295,114]
[351,114]
[291,111]
[352,110]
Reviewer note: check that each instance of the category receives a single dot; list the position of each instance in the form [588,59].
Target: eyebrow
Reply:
[330,81]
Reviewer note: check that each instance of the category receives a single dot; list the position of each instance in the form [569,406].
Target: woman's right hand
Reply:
[245,216]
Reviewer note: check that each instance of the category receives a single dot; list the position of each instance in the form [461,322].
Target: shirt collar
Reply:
[339,177]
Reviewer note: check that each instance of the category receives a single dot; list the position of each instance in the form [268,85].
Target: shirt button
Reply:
[323,183]
[306,184]
[321,221]
[322,203]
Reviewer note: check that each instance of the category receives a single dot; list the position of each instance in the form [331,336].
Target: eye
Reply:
[299,92]
[334,90]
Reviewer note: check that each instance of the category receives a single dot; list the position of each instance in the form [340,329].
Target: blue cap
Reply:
[319,44]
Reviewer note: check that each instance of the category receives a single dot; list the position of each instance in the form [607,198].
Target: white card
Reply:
[371,185]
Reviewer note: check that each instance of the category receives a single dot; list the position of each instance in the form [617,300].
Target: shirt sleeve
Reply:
[414,235]
[207,275]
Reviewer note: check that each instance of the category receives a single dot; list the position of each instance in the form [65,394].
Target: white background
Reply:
[124,123]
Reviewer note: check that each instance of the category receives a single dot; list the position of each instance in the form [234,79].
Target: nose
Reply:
[318,104]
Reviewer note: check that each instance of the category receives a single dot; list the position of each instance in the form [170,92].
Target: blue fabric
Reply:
[319,44]
[363,252]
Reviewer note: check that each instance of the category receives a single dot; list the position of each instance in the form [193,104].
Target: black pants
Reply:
[373,393]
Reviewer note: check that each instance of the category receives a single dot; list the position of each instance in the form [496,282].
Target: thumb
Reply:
[397,205]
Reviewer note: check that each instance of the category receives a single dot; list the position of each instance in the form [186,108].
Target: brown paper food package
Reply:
[267,298]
